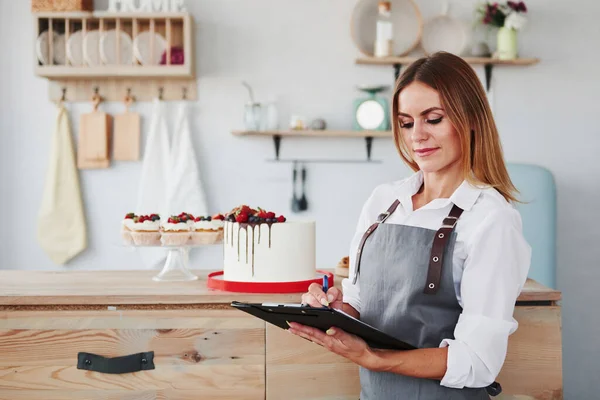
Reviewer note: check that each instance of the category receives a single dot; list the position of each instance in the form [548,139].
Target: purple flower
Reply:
[518,7]
[177,56]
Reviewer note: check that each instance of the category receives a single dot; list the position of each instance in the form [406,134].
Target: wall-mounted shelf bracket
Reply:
[369,142]
[488,76]
[277,143]
[397,70]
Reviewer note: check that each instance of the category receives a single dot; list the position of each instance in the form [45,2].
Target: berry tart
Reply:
[145,230]
[208,230]
[177,230]
[126,226]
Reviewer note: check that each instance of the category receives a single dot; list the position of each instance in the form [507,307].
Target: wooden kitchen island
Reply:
[202,348]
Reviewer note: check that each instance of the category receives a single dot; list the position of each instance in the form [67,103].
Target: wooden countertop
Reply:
[88,288]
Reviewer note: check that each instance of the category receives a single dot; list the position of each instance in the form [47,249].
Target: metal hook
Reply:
[184,96]
[160,93]
[128,99]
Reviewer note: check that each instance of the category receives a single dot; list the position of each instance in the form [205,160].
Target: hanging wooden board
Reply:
[126,135]
[94,137]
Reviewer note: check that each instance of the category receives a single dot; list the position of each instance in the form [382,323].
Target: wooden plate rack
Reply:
[170,80]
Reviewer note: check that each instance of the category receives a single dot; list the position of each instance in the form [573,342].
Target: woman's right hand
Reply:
[315,297]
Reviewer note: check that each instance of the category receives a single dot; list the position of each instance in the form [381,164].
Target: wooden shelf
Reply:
[278,135]
[109,71]
[173,81]
[470,60]
[487,62]
[311,133]
[109,15]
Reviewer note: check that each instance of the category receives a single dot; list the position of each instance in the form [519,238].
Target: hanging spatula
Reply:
[303,203]
[295,201]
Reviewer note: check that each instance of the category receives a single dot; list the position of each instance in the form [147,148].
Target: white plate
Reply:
[141,48]
[407,26]
[91,48]
[75,49]
[60,53]
[444,33]
[58,48]
[108,48]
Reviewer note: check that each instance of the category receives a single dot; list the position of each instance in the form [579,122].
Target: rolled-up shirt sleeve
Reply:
[495,270]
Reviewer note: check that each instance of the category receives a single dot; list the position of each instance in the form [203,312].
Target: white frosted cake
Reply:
[259,247]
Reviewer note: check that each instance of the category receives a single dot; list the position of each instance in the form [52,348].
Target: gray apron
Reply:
[407,291]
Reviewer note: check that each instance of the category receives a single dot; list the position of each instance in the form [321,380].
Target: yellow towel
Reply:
[61,222]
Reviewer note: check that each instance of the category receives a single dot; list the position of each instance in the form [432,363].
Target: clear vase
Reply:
[507,44]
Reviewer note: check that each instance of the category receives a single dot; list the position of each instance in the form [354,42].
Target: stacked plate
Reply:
[148,50]
[95,48]
[43,49]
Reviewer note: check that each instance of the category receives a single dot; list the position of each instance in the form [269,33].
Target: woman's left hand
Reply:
[337,341]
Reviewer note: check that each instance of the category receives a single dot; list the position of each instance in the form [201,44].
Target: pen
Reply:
[325,284]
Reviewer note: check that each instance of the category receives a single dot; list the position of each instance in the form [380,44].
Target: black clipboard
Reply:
[322,318]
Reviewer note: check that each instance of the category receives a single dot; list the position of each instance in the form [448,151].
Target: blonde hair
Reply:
[465,102]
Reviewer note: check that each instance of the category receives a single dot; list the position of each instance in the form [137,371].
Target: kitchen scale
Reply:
[371,113]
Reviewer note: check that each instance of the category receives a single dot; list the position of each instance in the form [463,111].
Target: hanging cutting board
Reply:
[94,137]
[126,134]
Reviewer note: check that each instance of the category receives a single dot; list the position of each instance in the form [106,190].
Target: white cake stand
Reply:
[176,267]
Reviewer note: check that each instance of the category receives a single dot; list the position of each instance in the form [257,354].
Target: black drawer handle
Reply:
[116,365]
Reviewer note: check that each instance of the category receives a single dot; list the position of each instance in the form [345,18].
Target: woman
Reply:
[439,258]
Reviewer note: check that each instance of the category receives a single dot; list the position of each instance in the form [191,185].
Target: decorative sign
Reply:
[146,5]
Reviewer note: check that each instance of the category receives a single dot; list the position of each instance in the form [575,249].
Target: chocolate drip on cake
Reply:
[253,245]
[247,244]
[269,235]
[244,226]
[239,229]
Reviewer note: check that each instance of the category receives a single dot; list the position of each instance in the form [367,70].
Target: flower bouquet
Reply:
[510,19]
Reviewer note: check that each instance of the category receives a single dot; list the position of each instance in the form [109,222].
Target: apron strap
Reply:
[436,260]
[380,219]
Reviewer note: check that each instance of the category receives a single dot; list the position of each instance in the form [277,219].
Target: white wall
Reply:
[301,52]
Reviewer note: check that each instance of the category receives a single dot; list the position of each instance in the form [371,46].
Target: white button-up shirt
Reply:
[490,265]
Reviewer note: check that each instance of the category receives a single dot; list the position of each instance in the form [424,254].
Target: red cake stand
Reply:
[216,281]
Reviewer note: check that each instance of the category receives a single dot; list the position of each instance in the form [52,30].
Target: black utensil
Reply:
[295,202]
[303,203]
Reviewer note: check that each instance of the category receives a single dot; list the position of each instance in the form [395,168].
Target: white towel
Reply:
[61,222]
[152,194]
[185,189]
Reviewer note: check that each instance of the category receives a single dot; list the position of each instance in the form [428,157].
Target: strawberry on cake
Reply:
[208,230]
[260,246]
[177,230]
[145,230]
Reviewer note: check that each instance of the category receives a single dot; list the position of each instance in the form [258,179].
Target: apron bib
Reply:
[407,291]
